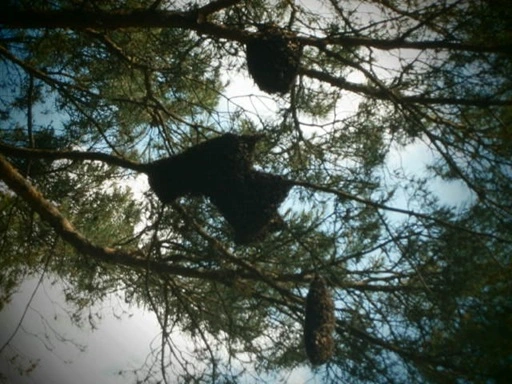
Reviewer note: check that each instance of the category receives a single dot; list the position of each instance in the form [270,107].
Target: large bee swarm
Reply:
[319,323]
[221,169]
[273,59]
[251,206]
[204,169]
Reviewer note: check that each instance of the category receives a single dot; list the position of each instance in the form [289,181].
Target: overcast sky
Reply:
[118,343]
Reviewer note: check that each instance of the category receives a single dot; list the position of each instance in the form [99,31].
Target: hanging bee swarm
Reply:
[204,169]
[319,323]
[251,205]
[273,59]
[221,169]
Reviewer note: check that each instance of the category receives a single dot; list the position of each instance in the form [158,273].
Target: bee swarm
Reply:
[273,59]
[221,169]
[319,323]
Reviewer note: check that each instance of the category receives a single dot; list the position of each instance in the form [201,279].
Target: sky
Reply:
[122,340]
[61,358]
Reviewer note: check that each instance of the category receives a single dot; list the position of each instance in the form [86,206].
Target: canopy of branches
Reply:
[386,125]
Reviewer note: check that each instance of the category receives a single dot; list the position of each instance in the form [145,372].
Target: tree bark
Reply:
[196,20]
[65,229]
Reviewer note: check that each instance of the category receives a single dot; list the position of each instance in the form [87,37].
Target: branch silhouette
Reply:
[34,153]
[381,94]
[196,20]
[134,258]
[117,161]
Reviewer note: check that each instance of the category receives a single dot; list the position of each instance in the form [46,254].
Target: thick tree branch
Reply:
[51,214]
[195,20]
[33,153]
[65,229]
[118,19]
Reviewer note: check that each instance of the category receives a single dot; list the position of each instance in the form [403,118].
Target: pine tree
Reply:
[371,115]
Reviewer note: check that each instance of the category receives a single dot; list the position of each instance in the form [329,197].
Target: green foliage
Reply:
[393,101]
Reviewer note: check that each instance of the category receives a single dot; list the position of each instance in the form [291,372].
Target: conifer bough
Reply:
[273,59]
[221,169]
[319,323]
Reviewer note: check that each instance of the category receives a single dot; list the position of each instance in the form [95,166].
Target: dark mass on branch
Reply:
[222,170]
[251,206]
[273,59]
[204,169]
[319,323]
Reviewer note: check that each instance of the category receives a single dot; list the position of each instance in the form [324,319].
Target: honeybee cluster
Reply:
[251,206]
[273,59]
[222,170]
[319,323]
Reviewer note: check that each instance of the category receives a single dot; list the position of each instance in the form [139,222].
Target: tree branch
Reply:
[51,214]
[405,353]
[376,205]
[33,153]
[42,75]
[195,20]
[119,19]
[391,44]
[117,161]
[384,95]
[65,229]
